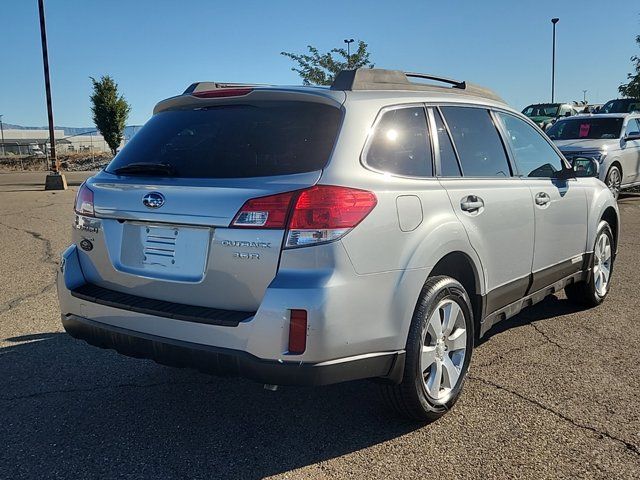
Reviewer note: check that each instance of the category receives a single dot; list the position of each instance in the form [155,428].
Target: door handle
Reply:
[471,203]
[542,199]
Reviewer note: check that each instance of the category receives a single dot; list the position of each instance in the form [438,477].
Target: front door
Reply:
[560,206]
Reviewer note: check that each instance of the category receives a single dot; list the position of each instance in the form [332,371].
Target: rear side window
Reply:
[400,143]
[233,141]
[477,142]
[532,153]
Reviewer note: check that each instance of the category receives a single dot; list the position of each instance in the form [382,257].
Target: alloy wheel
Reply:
[614,181]
[602,264]
[443,350]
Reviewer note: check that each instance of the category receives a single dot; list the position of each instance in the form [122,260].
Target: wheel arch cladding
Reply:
[611,217]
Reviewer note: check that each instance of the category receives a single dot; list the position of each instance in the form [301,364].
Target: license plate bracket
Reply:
[162,251]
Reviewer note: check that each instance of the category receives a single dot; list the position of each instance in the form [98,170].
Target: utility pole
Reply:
[2,131]
[553,59]
[54,181]
[348,42]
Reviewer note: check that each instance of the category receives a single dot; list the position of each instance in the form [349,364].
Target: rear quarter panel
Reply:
[379,245]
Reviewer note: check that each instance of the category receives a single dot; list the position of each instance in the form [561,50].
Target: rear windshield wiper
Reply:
[140,168]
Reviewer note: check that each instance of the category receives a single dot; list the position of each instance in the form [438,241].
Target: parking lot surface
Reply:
[552,393]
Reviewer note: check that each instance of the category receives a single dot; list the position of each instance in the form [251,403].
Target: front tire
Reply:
[438,352]
[614,180]
[594,290]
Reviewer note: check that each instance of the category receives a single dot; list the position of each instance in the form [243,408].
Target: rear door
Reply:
[166,204]
[560,205]
[495,208]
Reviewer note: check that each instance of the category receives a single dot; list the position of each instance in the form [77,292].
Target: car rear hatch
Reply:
[165,205]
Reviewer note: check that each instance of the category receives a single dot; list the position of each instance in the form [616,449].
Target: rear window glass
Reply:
[235,141]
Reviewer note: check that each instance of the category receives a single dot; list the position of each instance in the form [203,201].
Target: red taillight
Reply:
[264,212]
[84,201]
[329,207]
[297,331]
[319,214]
[223,92]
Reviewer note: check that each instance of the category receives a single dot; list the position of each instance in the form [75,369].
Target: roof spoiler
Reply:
[381,79]
[208,86]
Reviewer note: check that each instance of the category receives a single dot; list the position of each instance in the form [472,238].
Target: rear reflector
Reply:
[84,201]
[297,331]
[320,214]
[223,92]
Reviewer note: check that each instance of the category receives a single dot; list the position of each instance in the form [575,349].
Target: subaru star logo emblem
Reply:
[153,200]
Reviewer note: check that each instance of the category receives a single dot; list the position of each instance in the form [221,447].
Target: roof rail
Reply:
[381,79]
[207,86]
[427,76]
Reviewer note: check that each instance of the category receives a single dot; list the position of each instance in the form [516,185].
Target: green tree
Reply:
[317,68]
[110,111]
[632,89]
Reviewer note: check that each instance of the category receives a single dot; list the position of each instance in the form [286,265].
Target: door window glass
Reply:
[533,155]
[477,142]
[633,126]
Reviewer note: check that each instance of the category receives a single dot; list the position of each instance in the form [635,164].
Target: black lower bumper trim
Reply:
[160,308]
[228,362]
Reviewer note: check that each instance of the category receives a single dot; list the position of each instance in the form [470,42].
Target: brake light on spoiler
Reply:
[223,92]
[319,214]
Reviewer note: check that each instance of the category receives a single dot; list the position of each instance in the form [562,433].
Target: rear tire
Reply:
[593,291]
[438,352]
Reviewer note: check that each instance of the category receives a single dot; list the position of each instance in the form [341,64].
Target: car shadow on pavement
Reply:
[69,409]
[83,412]
[549,308]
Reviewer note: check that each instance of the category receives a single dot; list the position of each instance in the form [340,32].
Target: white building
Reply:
[30,142]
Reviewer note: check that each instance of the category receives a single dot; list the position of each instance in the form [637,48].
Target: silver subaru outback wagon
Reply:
[308,236]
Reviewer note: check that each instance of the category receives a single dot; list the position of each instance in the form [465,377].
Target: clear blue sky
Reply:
[155,48]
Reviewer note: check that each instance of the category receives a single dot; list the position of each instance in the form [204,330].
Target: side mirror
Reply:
[632,136]
[585,167]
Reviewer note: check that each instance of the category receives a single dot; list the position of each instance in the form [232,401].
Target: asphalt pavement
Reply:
[552,393]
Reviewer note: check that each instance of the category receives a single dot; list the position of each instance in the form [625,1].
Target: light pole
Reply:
[553,60]
[348,42]
[54,180]
[584,96]
[2,131]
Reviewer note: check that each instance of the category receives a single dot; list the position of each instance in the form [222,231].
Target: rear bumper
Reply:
[228,362]
[338,347]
